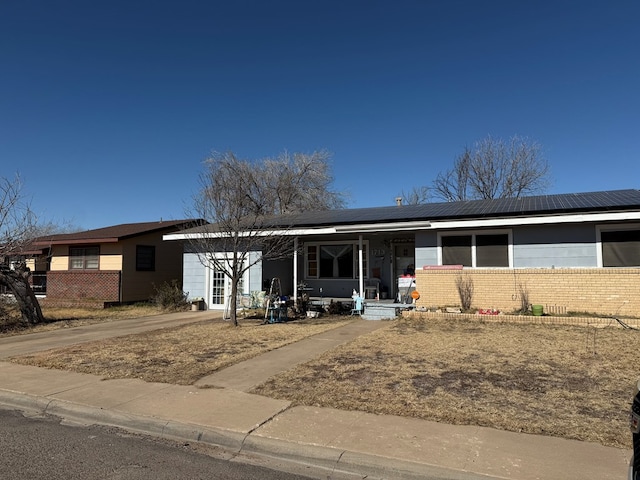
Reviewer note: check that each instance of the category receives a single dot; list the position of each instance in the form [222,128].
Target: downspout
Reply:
[360,267]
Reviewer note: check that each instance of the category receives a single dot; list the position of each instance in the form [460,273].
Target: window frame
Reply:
[474,234]
[152,267]
[85,257]
[355,244]
[618,227]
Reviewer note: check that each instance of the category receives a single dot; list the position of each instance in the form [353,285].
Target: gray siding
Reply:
[194,276]
[560,246]
[540,246]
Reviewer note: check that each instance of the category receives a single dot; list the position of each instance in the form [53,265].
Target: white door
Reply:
[219,285]
[220,289]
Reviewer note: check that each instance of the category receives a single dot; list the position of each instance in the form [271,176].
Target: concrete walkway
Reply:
[342,444]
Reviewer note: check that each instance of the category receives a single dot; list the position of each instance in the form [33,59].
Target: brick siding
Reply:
[82,288]
[603,291]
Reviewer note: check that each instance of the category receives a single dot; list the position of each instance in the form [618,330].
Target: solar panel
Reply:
[542,204]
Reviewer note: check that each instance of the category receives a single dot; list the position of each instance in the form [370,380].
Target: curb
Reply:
[346,462]
[334,463]
[155,426]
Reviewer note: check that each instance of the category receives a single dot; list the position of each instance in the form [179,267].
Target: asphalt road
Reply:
[43,449]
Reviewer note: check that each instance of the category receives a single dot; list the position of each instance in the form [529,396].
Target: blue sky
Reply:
[108,108]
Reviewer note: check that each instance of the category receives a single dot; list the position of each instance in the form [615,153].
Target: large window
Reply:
[145,258]
[334,260]
[84,258]
[620,248]
[481,249]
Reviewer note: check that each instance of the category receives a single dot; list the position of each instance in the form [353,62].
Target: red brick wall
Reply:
[86,288]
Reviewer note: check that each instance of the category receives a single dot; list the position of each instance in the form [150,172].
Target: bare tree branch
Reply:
[238,199]
[17,231]
[495,169]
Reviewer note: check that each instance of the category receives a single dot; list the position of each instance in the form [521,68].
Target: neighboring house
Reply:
[568,252]
[111,265]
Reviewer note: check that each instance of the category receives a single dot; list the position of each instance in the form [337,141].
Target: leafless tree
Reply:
[416,196]
[17,230]
[239,199]
[495,168]
[298,182]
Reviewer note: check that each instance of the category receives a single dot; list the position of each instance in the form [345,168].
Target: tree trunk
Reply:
[234,301]
[18,282]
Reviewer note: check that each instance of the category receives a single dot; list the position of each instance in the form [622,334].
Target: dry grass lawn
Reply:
[572,382]
[10,323]
[179,355]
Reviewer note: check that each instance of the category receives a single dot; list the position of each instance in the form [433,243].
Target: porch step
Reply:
[384,311]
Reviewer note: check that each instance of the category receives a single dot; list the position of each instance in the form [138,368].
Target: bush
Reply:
[169,296]
[465,291]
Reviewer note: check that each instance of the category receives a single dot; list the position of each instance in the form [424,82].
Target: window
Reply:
[334,260]
[475,249]
[145,258]
[620,248]
[84,258]
[456,250]
[492,250]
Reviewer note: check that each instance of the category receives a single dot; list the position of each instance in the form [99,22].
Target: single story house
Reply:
[111,265]
[568,252]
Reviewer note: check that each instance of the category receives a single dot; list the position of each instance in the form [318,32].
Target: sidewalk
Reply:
[222,413]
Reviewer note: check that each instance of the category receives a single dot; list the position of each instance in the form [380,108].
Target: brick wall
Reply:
[604,291]
[82,288]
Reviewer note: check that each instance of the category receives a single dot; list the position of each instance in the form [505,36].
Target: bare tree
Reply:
[494,168]
[17,231]
[238,199]
[416,196]
[298,182]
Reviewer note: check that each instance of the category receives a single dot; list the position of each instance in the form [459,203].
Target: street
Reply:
[43,449]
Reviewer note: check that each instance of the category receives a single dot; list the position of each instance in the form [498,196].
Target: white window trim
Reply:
[356,247]
[614,227]
[473,233]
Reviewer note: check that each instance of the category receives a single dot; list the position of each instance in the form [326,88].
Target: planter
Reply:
[197,305]
[537,310]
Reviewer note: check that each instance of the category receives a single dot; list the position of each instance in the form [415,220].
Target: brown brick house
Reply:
[118,264]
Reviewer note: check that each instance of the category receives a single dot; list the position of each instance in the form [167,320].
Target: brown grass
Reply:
[572,382]
[565,381]
[178,355]
[57,318]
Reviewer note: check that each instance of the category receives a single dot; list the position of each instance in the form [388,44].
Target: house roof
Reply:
[535,206]
[604,201]
[115,233]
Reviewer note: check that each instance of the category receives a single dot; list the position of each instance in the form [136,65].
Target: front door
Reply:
[219,286]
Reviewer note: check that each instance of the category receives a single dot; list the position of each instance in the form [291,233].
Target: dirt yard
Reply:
[572,382]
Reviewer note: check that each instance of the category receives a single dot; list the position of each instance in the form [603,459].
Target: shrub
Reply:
[524,298]
[465,290]
[169,296]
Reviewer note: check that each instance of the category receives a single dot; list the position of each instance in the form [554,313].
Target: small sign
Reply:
[415,295]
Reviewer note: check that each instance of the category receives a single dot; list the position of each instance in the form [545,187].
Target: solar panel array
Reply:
[537,205]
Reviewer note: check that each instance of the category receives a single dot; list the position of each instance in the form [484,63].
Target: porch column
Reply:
[295,271]
[360,268]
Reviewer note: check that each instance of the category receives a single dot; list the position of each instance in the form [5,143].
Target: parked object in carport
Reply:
[634,423]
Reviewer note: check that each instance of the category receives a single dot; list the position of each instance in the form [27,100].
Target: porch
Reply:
[372,309]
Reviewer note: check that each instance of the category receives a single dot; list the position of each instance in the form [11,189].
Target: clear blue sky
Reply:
[108,108]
